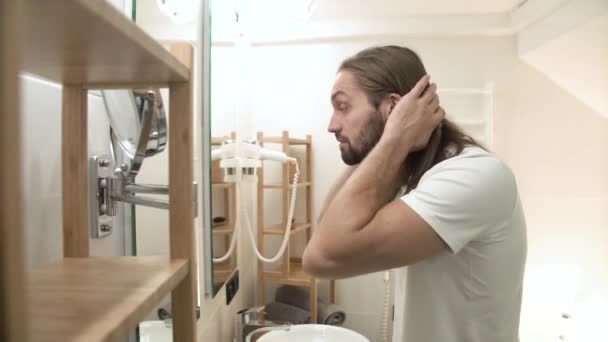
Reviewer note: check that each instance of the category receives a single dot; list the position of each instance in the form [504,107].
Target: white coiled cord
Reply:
[292,205]
[387,304]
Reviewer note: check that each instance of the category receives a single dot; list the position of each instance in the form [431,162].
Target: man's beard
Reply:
[368,137]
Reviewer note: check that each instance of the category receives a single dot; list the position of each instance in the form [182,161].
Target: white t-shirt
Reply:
[472,292]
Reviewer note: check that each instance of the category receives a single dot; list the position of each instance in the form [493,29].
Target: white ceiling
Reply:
[360,9]
[577,61]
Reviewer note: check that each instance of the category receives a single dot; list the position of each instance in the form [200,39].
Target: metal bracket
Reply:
[100,206]
[107,187]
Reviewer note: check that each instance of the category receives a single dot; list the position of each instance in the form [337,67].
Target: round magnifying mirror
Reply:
[138,122]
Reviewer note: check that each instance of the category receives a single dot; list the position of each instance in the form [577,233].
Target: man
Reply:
[424,196]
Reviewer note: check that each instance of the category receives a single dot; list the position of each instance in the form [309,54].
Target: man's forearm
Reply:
[331,194]
[371,186]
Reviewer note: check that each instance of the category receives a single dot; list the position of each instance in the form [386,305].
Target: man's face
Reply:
[355,122]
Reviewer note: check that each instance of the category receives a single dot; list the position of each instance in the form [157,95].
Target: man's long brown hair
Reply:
[384,70]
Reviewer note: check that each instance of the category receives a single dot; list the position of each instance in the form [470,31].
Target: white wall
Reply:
[557,148]
[559,45]
[41,109]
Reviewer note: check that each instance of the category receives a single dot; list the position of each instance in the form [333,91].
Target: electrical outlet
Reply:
[232,287]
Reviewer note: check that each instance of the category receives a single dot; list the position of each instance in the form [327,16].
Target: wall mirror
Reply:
[218,126]
[138,125]
[527,78]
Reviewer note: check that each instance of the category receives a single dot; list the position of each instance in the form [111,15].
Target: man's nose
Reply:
[334,125]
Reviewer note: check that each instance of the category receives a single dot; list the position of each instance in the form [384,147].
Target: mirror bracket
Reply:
[100,220]
[107,189]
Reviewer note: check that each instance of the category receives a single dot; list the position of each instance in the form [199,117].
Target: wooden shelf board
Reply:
[225,266]
[279,140]
[222,231]
[90,43]
[221,185]
[222,266]
[280,186]
[221,224]
[223,270]
[97,298]
[297,276]
[279,229]
[221,276]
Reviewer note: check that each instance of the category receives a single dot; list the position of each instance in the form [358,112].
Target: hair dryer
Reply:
[239,161]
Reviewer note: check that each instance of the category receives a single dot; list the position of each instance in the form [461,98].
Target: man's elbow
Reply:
[316,263]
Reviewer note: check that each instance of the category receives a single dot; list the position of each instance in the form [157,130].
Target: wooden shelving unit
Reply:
[291,272]
[86,45]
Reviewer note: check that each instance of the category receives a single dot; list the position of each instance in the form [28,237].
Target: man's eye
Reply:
[342,106]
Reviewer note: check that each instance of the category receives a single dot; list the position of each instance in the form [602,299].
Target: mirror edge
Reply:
[205,145]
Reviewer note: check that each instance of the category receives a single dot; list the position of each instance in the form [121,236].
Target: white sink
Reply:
[156,331]
[313,333]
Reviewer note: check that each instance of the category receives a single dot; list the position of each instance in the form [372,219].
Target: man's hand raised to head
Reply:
[415,116]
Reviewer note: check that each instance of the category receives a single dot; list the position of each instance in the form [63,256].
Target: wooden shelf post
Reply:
[74,171]
[309,188]
[285,201]
[181,213]
[13,323]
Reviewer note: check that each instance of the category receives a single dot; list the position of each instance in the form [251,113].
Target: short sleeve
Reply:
[464,198]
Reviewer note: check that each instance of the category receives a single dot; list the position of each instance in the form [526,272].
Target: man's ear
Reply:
[388,104]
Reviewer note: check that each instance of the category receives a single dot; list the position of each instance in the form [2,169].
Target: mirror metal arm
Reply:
[147,189]
[146,202]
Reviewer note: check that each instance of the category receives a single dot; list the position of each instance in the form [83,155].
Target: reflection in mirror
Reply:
[138,123]
[139,129]
[219,124]
[529,80]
